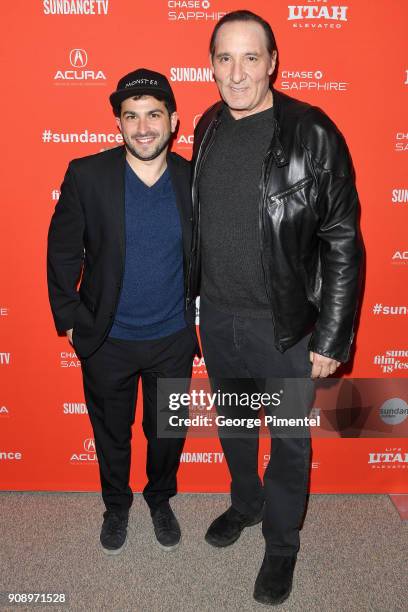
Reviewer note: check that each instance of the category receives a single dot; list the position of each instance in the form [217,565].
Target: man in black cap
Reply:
[123,223]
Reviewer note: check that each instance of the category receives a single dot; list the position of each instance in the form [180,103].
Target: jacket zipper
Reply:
[296,187]
[197,169]
[262,187]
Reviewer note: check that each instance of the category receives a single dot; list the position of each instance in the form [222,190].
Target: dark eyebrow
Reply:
[227,53]
[153,110]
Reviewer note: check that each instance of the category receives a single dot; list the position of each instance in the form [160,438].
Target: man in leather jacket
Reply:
[276,259]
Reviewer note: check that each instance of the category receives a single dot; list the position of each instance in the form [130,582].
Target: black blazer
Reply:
[86,240]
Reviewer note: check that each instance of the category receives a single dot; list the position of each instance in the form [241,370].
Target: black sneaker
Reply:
[227,528]
[274,582]
[113,532]
[166,527]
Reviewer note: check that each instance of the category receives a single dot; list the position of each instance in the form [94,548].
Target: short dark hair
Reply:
[245,16]
[118,108]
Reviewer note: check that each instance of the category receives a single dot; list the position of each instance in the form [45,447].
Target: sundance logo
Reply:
[75,7]
[399,196]
[191,75]
[394,411]
[316,16]
[74,408]
[78,73]
[10,456]
[202,457]
[88,455]
[5,358]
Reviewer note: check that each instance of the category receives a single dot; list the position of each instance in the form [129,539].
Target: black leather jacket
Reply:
[309,240]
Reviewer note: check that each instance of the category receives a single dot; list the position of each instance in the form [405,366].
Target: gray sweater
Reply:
[231,274]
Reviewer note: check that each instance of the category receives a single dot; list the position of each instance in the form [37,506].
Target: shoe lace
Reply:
[113,523]
[163,520]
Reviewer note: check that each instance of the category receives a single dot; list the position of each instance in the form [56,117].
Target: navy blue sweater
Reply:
[151,300]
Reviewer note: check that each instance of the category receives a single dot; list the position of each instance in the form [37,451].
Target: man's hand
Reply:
[322,366]
[69,334]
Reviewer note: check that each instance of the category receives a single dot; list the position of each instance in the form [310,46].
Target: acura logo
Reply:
[89,445]
[78,58]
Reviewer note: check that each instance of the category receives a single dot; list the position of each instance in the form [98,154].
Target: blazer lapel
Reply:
[115,194]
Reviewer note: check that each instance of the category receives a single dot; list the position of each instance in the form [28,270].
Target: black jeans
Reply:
[242,348]
[111,376]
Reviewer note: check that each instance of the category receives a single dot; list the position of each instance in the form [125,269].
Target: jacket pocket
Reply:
[280,196]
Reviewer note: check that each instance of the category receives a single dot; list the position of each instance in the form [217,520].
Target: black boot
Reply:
[227,528]
[274,582]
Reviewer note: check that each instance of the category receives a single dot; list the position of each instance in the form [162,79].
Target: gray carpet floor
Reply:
[353,557]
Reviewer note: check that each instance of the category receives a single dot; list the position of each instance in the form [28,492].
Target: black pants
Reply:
[237,347]
[111,376]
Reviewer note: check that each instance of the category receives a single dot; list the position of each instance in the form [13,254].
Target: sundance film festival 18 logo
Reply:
[317,15]
[392,361]
[79,72]
[194,10]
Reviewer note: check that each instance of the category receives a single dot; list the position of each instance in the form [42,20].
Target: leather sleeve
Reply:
[341,248]
[65,253]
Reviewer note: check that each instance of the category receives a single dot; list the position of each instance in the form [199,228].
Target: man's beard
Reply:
[159,148]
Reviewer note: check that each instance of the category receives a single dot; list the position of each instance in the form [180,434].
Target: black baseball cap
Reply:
[143,82]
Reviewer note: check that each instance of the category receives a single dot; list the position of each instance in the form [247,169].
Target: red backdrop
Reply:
[62,58]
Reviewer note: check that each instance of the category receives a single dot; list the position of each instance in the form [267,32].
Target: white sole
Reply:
[169,548]
[115,551]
